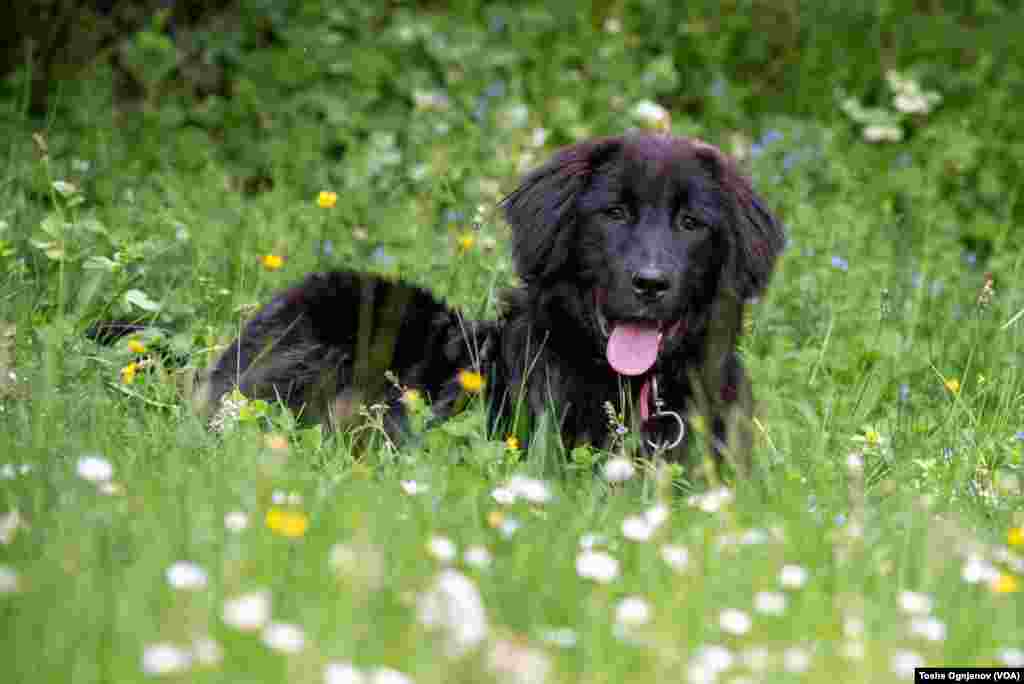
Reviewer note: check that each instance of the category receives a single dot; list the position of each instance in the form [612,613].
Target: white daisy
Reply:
[342,673]
[453,604]
[186,576]
[770,602]
[619,470]
[284,637]
[633,611]
[95,469]
[248,612]
[734,621]
[677,557]
[165,659]
[442,549]
[792,576]
[597,566]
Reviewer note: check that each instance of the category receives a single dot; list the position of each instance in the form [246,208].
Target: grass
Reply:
[886,357]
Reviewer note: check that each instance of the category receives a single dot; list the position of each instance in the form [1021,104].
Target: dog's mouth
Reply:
[633,344]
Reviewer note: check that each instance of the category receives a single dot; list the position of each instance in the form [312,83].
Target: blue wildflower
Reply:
[453,216]
[496,89]
[381,256]
[1019,436]
[840,263]
[718,87]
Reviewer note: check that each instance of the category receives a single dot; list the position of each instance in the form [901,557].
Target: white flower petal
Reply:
[95,469]
[915,603]
[928,628]
[454,605]
[793,576]
[633,611]
[677,557]
[207,652]
[770,602]
[10,582]
[412,487]
[734,621]
[284,637]
[477,557]
[442,548]
[248,612]
[504,496]
[342,673]
[164,659]
[531,489]
[637,529]
[186,576]
[385,675]
[905,662]
[597,566]
[796,660]
[619,470]
[236,521]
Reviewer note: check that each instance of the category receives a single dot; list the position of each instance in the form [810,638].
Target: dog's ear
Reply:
[542,210]
[758,235]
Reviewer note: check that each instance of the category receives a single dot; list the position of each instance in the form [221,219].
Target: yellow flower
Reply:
[872,437]
[471,381]
[412,398]
[511,443]
[953,385]
[136,347]
[1005,584]
[272,262]
[1015,537]
[326,199]
[466,241]
[292,524]
[128,373]
[495,518]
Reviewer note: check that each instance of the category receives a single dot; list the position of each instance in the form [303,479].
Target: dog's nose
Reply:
[650,284]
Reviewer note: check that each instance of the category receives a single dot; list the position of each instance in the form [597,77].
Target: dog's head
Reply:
[650,227]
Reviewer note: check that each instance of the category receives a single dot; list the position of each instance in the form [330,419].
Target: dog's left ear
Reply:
[542,210]
[758,235]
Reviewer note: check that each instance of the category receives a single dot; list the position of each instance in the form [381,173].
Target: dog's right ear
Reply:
[542,210]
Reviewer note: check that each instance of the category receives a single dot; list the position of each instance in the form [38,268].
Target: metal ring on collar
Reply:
[679,438]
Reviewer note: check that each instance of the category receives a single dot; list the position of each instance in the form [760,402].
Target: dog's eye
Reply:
[616,212]
[688,222]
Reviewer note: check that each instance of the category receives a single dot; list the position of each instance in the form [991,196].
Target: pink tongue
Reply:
[633,347]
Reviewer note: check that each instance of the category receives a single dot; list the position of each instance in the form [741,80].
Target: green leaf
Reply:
[54,225]
[141,299]
[101,263]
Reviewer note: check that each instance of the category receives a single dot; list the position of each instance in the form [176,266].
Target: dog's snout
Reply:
[650,284]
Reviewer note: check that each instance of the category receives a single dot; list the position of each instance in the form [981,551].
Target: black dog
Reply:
[637,255]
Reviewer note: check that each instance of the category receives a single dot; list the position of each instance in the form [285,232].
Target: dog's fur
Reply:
[323,347]
[637,255]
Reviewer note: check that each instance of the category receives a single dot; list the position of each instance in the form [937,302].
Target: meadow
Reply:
[884,529]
